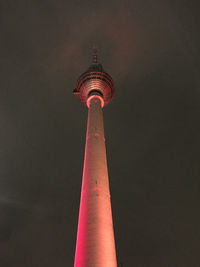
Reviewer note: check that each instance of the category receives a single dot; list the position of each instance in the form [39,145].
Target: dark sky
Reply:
[151,49]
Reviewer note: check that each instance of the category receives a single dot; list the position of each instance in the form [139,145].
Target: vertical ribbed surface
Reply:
[95,245]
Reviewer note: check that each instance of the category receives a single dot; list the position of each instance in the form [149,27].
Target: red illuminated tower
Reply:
[95,246]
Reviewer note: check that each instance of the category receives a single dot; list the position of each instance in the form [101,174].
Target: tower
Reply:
[95,245]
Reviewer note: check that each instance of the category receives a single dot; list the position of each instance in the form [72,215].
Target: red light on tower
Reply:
[95,246]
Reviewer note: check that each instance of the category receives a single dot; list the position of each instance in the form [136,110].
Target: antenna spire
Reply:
[94,55]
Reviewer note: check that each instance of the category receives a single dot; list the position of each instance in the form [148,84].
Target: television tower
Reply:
[95,245]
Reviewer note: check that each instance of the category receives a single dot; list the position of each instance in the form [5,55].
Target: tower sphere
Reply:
[95,81]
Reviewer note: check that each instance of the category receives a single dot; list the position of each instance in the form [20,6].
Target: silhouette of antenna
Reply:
[94,55]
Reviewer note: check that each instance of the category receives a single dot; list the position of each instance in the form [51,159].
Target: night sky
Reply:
[152,127]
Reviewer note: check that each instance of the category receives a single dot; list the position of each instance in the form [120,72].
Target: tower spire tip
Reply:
[94,55]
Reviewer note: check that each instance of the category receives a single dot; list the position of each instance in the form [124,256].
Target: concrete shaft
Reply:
[95,245]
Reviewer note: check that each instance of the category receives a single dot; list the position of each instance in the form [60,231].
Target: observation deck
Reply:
[95,81]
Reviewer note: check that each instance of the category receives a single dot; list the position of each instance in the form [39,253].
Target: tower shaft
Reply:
[95,245]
